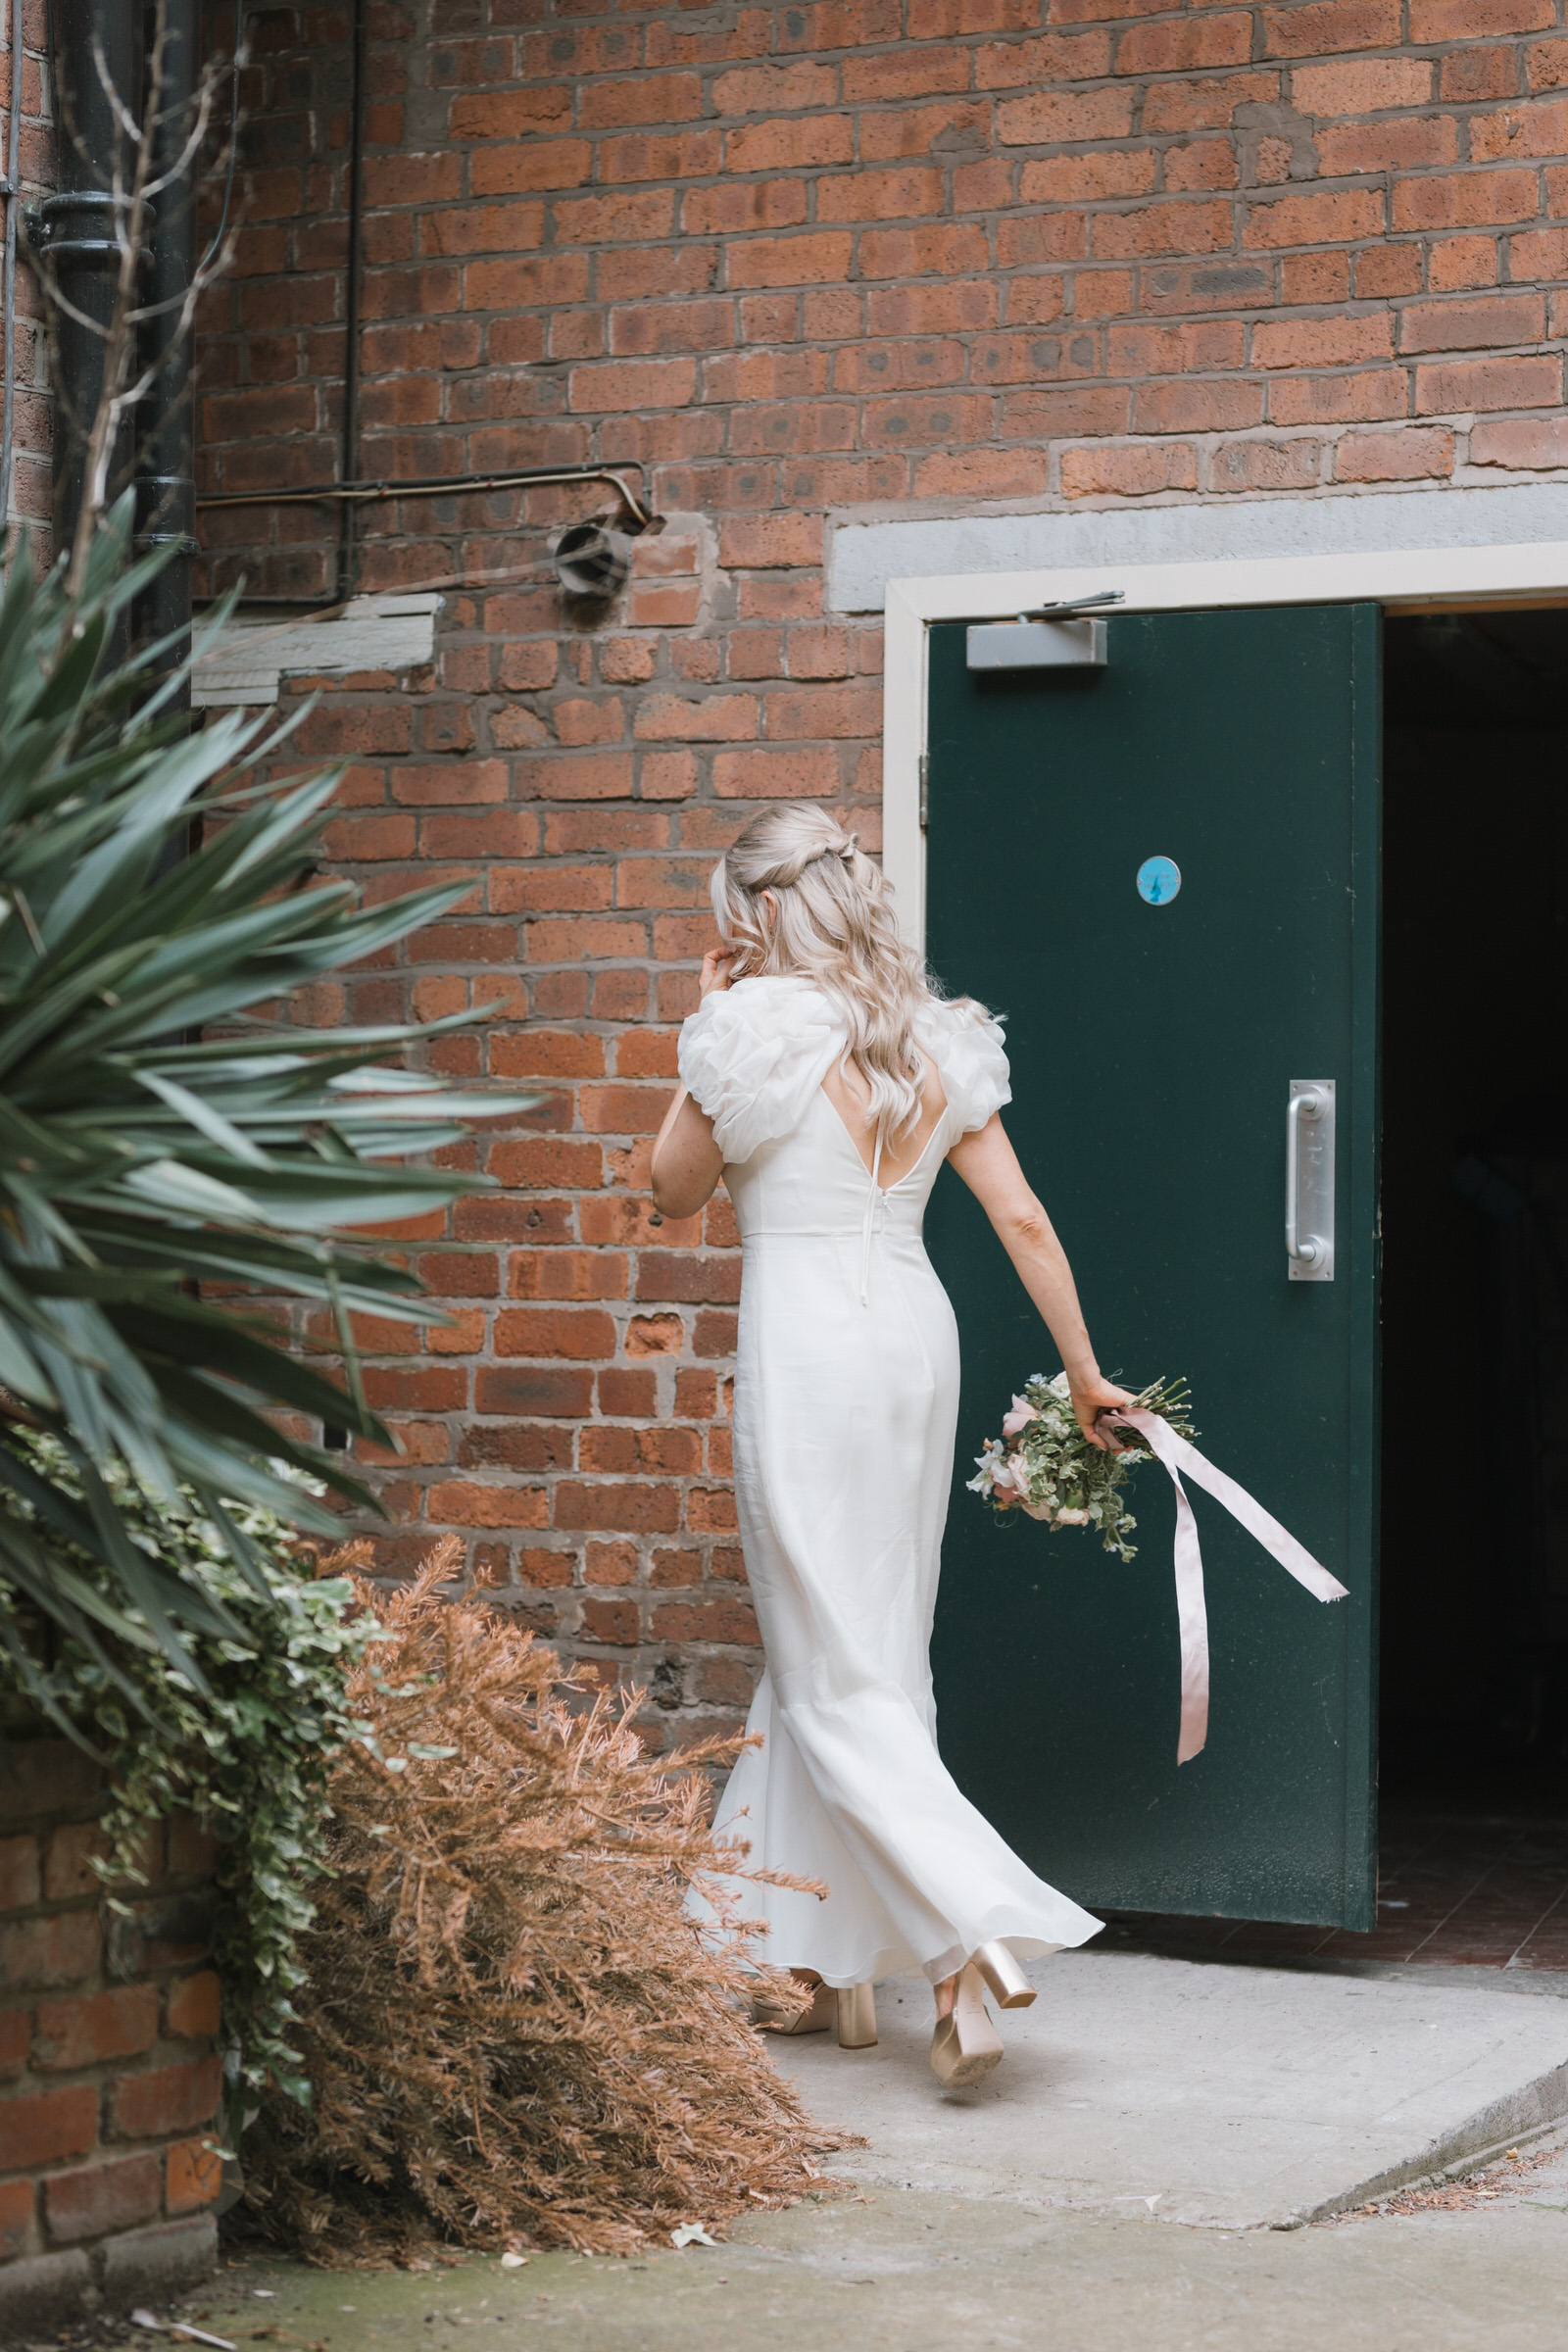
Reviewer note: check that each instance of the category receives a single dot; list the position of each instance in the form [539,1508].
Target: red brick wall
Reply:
[799,259]
[29,477]
[109,2082]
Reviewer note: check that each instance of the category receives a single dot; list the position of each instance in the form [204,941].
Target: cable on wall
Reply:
[8,297]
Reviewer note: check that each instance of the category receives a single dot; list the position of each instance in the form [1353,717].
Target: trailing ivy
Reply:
[251,1756]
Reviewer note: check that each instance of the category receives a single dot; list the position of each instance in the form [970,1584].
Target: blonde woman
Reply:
[826,1081]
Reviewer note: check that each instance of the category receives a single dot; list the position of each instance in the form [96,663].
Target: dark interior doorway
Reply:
[1475,1215]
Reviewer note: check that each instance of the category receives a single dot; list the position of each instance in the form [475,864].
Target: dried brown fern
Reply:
[514,2035]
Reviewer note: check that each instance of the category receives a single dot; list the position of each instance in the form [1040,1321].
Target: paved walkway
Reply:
[1232,2096]
[914,2272]
[1045,2207]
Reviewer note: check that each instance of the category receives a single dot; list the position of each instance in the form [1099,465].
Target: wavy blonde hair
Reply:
[834,927]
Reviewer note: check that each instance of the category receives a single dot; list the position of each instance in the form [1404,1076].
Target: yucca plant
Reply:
[165,1140]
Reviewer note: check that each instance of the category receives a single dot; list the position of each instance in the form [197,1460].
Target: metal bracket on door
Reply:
[1310,1179]
[1051,637]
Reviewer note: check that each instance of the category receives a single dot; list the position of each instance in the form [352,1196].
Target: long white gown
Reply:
[846,1408]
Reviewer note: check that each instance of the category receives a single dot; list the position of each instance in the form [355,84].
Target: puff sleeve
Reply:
[753,1055]
[970,1053]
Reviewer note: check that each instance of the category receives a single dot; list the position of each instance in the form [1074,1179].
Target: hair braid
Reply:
[833,925]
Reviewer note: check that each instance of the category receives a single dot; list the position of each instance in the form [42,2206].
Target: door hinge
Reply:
[925,790]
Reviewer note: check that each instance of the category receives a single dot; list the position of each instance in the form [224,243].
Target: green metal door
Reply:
[1153,1051]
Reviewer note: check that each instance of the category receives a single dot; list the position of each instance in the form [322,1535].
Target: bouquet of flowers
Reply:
[1044,1467]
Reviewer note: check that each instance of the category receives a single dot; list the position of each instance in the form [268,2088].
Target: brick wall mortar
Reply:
[804,261]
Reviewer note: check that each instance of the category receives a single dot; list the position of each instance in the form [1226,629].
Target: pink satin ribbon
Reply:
[1191,1616]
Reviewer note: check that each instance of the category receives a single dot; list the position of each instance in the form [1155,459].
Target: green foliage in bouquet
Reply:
[166,1143]
[250,1753]
[1044,1467]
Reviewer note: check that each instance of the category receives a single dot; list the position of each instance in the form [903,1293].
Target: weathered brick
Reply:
[45,2127]
[194,2006]
[20,1883]
[1417,453]
[620,1505]
[1360,86]
[1511,383]
[582,1334]
[167,2098]
[1322,342]
[95,2026]
[1525,444]
[42,1776]
[1136,472]
[1267,465]
[1359,399]
[1314,220]
[17,2226]
[1505,319]
[1325,27]
[1463,200]
[58,1950]
[103,2197]
[193,2173]
[1473,20]
[1186,44]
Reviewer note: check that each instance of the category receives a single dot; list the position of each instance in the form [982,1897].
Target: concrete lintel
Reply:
[863,556]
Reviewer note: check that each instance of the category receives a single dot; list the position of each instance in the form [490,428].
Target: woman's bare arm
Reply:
[988,1166]
[687,1163]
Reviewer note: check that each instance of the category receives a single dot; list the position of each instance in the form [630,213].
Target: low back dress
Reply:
[846,1409]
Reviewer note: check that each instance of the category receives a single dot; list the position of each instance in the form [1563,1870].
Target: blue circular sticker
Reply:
[1159,881]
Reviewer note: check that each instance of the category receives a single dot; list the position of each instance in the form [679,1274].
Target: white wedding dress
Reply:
[846,1405]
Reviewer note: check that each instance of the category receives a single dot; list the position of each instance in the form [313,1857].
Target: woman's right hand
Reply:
[714,975]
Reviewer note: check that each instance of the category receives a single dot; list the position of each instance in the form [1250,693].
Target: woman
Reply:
[824,1079]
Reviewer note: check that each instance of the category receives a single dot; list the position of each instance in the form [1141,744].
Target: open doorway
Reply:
[1475,1282]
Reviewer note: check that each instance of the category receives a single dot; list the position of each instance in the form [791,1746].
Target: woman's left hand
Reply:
[1090,1397]
[714,976]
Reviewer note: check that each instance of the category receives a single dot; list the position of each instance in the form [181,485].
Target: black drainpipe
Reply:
[166,488]
[354,278]
[75,224]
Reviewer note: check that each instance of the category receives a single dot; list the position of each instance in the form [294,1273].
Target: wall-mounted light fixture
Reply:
[591,561]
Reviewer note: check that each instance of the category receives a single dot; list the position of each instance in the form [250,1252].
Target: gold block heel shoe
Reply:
[1009,1988]
[965,2045]
[815,2018]
[857,2017]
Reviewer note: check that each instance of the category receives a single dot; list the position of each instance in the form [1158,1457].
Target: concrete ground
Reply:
[913,2270]
[1154,2169]
[1235,2096]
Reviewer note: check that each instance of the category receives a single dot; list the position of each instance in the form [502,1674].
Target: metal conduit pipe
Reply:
[353,289]
[450,486]
[8,291]
[166,487]
[76,226]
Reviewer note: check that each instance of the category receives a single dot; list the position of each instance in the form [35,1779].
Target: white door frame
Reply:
[1405,578]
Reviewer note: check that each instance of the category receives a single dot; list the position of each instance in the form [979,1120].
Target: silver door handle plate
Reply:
[1310,1179]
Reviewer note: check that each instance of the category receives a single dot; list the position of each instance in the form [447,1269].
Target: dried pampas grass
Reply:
[514,2035]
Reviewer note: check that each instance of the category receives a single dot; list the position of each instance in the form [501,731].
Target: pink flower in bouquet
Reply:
[1017,1475]
[1022,1414]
